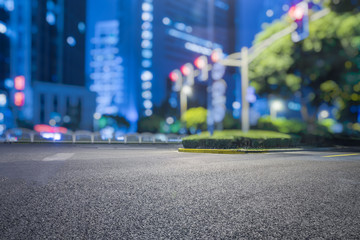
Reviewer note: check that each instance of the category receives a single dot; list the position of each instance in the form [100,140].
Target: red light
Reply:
[49,129]
[200,63]
[19,83]
[185,70]
[174,76]
[296,13]
[19,99]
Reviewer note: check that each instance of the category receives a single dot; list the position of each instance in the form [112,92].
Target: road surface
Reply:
[154,192]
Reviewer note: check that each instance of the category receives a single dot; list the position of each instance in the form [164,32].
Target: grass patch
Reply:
[235,139]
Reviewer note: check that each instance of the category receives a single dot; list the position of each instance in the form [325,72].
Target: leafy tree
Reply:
[150,124]
[118,120]
[323,68]
[195,117]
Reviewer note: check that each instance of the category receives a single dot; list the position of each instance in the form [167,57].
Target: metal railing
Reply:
[22,135]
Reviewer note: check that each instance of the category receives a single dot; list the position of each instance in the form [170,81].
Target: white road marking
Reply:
[58,157]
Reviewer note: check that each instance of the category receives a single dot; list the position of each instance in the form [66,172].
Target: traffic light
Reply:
[19,99]
[300,15]
[176,77]
[19,83]
[188,71]
[202,64]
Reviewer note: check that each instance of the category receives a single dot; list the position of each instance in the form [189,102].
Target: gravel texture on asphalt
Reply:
[157,193]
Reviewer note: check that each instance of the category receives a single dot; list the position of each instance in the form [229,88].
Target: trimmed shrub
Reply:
[238,139]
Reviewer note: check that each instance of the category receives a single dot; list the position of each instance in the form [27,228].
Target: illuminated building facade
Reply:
[107,76]
[6,120]
[48,52]
[156,37]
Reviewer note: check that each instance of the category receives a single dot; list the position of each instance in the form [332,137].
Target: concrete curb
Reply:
[222,151]
[246,151]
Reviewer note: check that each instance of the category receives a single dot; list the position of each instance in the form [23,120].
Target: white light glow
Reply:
[147,35]
[147,7]
[3,28]
[146,85]
[187,90]
[236,105]
[148,112]
[277,105]
[146,44]
[52,122]
[146,53]
[146,63]
[148,104]
[146,76]
[170,120]
[146,26]
[147,17]
[50,18]
[146,95]
[71,41]
[166,21]
[269,13]
[1,116]
[3,100]
[97,116]
[324,114]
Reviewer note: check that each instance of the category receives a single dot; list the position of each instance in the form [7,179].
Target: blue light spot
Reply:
[50,18]
[71,41]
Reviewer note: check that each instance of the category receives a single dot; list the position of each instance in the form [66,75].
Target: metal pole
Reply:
[245,123]
[211,24]
[183,102]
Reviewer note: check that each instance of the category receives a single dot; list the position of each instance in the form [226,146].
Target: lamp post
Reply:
[243,58]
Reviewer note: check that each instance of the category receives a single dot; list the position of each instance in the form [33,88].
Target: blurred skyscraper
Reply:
[156,37]
[48,53]
[6,118]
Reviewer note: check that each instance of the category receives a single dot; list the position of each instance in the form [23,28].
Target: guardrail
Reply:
[23,135]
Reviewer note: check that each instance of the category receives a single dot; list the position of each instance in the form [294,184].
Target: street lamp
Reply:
[275,106]
[247,55]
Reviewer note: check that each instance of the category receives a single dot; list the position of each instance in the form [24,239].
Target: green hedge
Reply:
[234,139]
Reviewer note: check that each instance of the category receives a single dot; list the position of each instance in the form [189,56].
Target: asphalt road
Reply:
[154,192]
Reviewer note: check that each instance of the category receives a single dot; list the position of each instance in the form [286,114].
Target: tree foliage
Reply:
[325,67]
[195,117]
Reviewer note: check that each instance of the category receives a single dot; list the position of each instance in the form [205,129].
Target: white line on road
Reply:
[58,157]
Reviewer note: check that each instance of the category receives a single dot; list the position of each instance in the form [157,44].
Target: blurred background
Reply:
[120,66]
